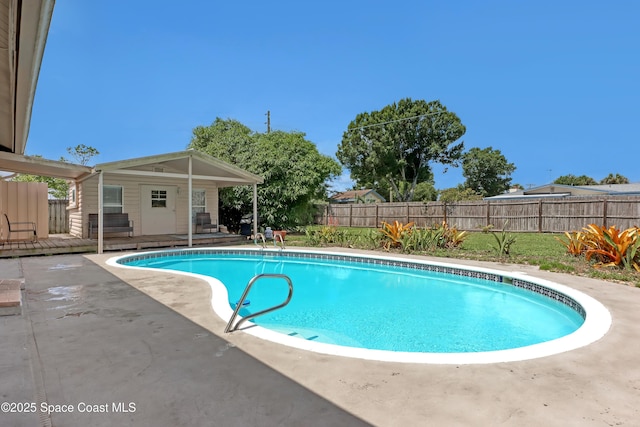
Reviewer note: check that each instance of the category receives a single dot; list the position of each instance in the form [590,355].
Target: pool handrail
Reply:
[275,240]
[264,241]
[230,327]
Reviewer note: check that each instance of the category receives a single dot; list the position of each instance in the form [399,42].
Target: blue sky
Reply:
[553,85]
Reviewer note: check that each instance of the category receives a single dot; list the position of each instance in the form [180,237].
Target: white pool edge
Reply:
[597,320]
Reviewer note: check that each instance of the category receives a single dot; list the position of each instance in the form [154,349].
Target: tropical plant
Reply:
[326,235]
[574,242]
[394,233]
[612,247]
[504,240]
[429,238]
[452,238]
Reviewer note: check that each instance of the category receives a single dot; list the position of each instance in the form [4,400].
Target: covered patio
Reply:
[156,193]
[161,194]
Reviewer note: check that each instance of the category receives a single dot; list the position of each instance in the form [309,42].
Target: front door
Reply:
[158,209]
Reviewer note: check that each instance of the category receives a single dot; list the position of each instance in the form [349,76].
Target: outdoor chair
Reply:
[21,227]
[203,220]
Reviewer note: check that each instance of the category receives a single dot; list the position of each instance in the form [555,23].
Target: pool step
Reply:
[11,297]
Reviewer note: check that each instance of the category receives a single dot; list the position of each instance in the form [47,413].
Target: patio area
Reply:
[105,334]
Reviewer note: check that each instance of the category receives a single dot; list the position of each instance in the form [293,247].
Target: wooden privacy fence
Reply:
[58,221]
[537,215]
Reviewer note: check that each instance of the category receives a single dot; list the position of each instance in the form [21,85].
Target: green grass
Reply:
[539,249]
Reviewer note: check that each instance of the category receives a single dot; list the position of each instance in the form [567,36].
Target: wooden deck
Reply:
[65,244]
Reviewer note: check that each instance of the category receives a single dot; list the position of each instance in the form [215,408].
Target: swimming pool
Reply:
[467,316]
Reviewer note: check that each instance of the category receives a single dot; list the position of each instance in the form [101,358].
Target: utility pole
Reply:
[268,121]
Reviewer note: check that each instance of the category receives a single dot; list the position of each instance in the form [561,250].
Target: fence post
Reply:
[540,216]
[350,214]
[326,215]
[488,213]
[444,209]
[604,213]
[377,216]
[407,221]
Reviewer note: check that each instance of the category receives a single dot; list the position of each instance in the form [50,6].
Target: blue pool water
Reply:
[367,305]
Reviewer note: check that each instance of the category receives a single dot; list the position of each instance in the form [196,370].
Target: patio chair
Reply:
[21,227]
[203,220]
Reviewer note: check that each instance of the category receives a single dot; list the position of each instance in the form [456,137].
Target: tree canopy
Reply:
[575,180]
[58,187]
[458,194]
[295,173]
[487,171]
[397,144]
[614,179]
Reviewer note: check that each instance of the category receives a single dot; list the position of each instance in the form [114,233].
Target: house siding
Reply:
[25,202]
[87,193]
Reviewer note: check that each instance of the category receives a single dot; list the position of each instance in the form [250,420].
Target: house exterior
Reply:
[160,194]
[24,26]
[559,190]
[358,196]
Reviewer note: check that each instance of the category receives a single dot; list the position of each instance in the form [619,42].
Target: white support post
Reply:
[100,215]
[190,195]
[255,208]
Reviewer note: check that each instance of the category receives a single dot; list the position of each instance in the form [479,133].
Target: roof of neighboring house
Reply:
[560,190]
[354,194]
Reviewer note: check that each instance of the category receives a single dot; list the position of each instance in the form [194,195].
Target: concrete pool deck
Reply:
[100,335]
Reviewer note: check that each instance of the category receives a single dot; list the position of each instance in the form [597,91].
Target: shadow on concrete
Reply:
[95,351]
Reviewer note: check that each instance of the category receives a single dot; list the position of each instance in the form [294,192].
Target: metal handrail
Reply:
[275,240]
[231,328]
[264,241]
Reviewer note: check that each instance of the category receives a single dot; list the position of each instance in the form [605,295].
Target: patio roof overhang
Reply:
[189,165]
[176,165]
[10,162]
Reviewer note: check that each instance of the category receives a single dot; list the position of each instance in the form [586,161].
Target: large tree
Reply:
[395,145]
[295,173]
[487,171]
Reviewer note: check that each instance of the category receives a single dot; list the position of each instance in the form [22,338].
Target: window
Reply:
[72,195]
[112,199]
[158,198]
[198,202]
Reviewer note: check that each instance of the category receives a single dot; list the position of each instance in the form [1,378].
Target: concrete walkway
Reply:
[97,334]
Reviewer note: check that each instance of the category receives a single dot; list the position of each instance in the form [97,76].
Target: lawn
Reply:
[541,249]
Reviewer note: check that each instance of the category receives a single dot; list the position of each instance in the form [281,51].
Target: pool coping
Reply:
[597,318]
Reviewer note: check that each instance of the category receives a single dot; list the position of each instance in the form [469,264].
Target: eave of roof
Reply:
[38,166]
[203,165]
